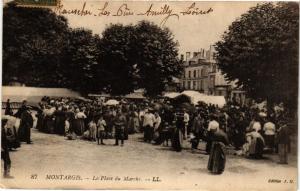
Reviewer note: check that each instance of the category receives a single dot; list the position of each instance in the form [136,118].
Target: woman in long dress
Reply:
[217,157]
[178,136]
[78,122]
[60,118]
[49,124]
[254,146]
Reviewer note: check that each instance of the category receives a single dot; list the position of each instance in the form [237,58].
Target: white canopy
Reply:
[34,94]
[196,97]
[172,94]
[209,99]
[111,102]
[135,95]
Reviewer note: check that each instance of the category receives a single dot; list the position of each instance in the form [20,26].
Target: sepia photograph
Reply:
[149,95]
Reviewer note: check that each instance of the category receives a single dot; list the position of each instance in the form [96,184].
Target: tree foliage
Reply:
[33,40]
[40,49]
[116,72]
[156,57]
[80,60]
[260,50]
[140,56]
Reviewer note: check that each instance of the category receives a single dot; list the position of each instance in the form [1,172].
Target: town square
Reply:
[150,95]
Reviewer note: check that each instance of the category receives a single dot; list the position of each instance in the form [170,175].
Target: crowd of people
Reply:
[249,130]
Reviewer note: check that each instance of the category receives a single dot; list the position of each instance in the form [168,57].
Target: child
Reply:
[101,124]
[93,130]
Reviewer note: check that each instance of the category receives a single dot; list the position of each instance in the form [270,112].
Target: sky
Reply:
[193,32]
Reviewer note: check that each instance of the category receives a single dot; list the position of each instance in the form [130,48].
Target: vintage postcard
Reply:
[154,95]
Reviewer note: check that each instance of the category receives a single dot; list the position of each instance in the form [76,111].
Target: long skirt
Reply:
[256,148]
[49,124]
[270,139]
[120,134]
[177,140]
[217,158]
[283,153]
[60,125]
[24,133]
[40,120]
[238,139]
[131,128]
[78,126]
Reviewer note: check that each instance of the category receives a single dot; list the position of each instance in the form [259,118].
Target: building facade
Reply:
[202,74]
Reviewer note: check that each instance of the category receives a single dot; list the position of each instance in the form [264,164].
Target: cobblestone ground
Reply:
[54,162]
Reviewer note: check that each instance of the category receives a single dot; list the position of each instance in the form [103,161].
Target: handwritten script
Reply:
[125,10]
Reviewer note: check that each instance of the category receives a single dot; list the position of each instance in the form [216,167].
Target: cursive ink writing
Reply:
[103,10]
[193,10]
[164,10]
[80,12]
[123,11]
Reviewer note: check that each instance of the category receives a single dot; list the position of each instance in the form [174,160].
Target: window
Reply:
[214,68]
[212,81]
[194,85]
[201,85]
[189,85]
[202,72]
[189,74]
[195,73]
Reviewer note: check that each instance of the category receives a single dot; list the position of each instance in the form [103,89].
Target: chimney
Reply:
[188,54]
[201,53]
[208,55]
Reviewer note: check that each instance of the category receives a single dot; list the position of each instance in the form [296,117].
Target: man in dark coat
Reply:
[120,124]
[283,140]
[8,110]
[197,130]
[26,124]
[21,109]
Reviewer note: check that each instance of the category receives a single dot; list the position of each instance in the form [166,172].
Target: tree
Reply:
[33,40]
[260,50]
[79,58]
[116,71]
[140,56]
[41,50]
[156,57]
